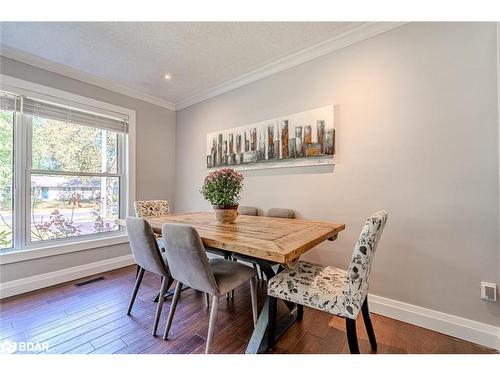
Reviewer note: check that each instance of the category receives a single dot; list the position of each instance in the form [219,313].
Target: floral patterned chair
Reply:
[151,208]
[145,209]
[340,292]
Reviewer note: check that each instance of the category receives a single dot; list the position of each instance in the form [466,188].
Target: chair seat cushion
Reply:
[319,287]
[229,274]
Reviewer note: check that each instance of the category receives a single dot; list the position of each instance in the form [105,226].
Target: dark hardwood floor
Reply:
[92,319]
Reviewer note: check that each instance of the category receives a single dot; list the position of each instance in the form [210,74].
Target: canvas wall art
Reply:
[300,139]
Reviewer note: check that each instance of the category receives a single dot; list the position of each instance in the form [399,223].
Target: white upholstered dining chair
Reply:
[340,292]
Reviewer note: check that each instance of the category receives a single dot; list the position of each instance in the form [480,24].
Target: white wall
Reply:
[155,161]
[417,135]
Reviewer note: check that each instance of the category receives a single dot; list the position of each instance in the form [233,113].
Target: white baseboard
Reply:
[466,329]
[28,284]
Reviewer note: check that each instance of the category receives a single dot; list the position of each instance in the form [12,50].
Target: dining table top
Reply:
[274,239]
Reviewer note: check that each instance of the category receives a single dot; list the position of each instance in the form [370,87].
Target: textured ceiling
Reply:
[198,55]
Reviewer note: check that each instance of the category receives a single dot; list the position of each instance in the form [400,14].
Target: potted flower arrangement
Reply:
[222,189]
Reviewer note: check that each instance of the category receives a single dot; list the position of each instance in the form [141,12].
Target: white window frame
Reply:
[22,193]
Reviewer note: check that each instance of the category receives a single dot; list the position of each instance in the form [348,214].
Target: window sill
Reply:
[15,256]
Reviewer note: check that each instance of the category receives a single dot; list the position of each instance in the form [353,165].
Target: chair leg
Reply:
[164,286]
[263,273]
[212,322]
[230,294]
[352,337]
[300,312]
[256,270]
[207,300]
[157,297]
[253,296]
[138,280]
[271,325]
[171,313]
[368,325]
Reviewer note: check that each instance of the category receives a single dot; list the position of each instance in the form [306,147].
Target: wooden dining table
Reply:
[273,243]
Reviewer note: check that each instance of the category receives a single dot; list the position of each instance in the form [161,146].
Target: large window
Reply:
[69,168]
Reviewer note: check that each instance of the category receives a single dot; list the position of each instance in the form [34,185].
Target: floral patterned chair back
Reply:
[356,288]
[151,208]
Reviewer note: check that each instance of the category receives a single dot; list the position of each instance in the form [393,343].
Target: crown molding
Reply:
[39,62]
[348,38]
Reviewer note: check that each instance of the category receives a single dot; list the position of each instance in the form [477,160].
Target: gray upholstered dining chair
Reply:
[247,210]
[152,208]
[283,213]
[242,210]
[148,257]
[190,266]
[340,292]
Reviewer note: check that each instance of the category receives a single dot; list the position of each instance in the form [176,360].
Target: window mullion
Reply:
[18,182]
[71,173]
[20,179]
[28,131]
[122,178]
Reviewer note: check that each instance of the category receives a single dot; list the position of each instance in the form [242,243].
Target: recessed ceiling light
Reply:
[168,77]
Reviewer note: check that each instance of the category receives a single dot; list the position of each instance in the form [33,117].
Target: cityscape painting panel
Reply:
[301,139]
